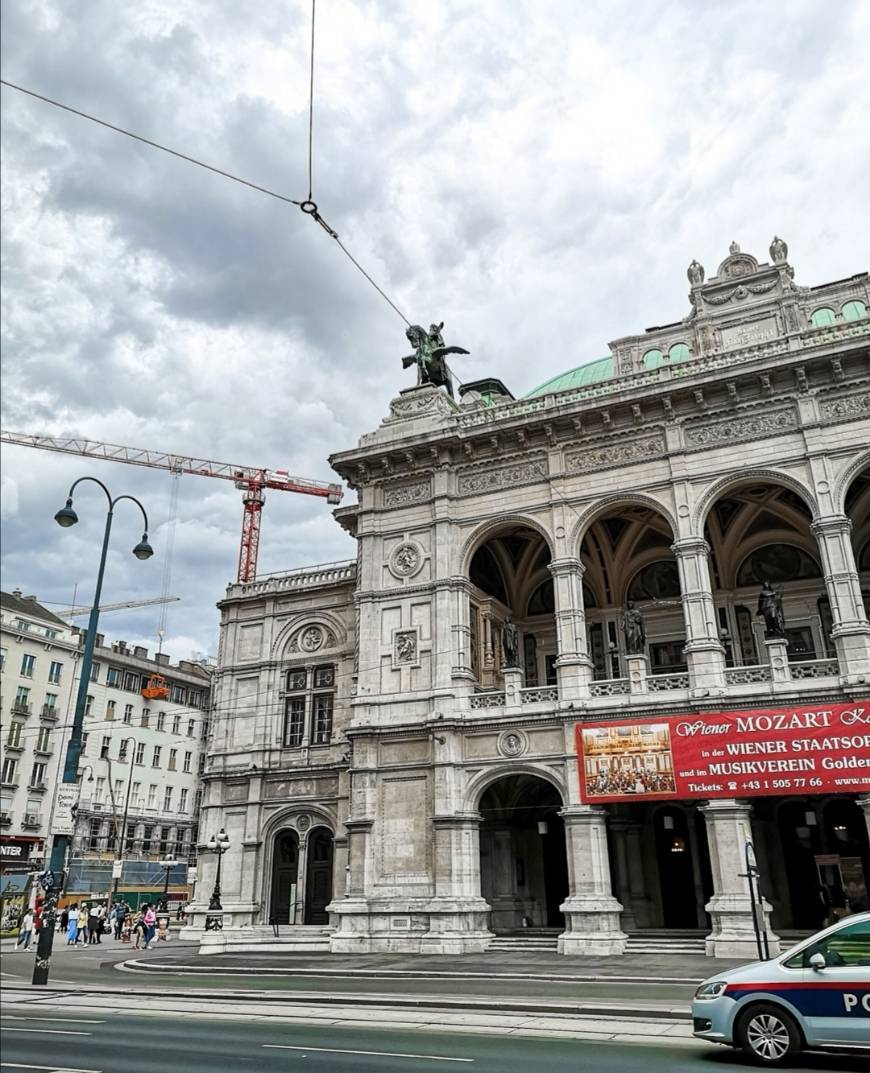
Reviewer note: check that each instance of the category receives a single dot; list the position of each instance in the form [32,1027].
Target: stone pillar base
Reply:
[573,675]
[853,654]
[636,673]
[733,935]
[513,683]
[706,662]
[592,926]
[777,657]
[427,926]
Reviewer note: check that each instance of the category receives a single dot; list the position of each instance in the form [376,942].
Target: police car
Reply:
[815,996]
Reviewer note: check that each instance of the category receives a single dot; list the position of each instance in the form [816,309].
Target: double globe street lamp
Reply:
[51,879]
[218,844]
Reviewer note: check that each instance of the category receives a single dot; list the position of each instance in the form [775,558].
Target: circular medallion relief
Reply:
[303,823]
[513,743]
[311,639]
[406,559]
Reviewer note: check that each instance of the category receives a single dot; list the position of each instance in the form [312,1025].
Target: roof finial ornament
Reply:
[734,248]
[778,250]
[695,273]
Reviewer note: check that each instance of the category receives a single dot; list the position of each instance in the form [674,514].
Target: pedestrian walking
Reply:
[72,928]
[101,922]
[149,919]
[138,929]
[63,919]
[93,925]
[120,917]
[26,933]
[82,919]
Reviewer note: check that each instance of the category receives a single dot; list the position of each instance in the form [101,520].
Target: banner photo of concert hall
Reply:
[769,751]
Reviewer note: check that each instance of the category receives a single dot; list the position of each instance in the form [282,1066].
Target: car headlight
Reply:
[711,989]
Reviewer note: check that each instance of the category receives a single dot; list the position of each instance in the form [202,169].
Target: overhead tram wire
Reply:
[307,206]
[311,108]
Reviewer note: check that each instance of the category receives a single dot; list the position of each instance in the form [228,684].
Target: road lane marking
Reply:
[53,1069]
[47,1031]
[372,1054]
[66,1020]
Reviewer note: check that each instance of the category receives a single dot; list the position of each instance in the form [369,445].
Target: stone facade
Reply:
[741,428]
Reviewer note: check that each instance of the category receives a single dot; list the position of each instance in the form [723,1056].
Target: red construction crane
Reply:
[250,480]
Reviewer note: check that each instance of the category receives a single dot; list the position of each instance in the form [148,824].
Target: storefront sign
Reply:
[18,850]
[807,749]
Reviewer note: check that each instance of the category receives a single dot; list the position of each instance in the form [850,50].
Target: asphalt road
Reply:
[94,1040]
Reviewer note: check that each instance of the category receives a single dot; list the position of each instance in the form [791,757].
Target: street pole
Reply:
[67,517]
[214,920]
[122,834]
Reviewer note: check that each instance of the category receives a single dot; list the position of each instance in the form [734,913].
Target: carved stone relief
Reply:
[406,559]
[736,429]
[312,639]
[846,408]
[623,453]
[405,643]
[513,743]
[404,495]
[491,479]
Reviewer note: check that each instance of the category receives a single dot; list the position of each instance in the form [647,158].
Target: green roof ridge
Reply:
[590,372]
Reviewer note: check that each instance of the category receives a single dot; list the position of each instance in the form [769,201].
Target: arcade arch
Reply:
[301,873]
[523,859]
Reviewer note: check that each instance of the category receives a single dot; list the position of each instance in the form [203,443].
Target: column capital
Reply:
[691,545]
[566,565]
[724,806]
[577,814]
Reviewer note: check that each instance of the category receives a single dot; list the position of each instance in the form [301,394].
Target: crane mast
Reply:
[250,480]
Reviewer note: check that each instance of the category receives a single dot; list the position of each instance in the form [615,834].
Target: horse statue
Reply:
[429,354]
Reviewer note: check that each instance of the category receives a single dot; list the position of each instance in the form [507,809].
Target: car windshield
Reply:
[849,945]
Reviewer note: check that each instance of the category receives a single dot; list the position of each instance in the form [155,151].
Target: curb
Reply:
[303,998]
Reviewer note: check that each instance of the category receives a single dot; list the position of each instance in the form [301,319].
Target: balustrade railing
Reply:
[490,699]
[609,687]
[815,668]
[739,676]
[539,694]
[660,683]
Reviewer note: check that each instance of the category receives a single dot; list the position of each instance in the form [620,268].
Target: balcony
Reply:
[37,787]
[16,748]
[43,753]
[32,820]
[49,713]
[20,707]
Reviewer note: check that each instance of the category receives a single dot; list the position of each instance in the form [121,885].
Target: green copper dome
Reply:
[593,372]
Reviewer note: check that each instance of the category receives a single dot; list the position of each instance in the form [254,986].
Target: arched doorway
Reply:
[285,871]
[523,861]
[318,879]
[683,861]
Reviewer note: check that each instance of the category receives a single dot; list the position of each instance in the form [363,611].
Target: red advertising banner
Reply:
[806,749]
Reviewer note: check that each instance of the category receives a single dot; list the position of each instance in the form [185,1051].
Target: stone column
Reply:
[730,908]
[513,684]
[574,664]
[619,831]
[461,631]
[636,674]
[457,914]
[705,653]
[777,657]
[591,912]
[638,894]
[851,632]
[863,803]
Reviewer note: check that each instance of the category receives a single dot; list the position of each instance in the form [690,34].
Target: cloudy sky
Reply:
[537,175]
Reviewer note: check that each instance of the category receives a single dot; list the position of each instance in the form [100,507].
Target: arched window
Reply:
[652,359]
[679,352]
[658,581]
[777,563]
[854,310]
[823,318]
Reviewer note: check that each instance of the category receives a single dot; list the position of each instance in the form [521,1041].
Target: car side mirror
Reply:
[817,961]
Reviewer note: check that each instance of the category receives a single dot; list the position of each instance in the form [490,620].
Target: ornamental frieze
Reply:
[623,453]
[845,408]
[491,479]
[405,495]
[739,428]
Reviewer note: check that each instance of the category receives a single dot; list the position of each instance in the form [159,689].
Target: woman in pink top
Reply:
[149,919]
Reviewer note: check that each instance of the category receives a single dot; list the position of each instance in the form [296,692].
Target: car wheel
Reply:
[767,1034]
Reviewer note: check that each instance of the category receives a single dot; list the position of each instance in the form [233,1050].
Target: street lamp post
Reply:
[121,834]
[164,902]
[218,844]
[66,517]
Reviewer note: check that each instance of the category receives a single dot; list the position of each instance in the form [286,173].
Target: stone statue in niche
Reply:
[633,630]
[510,644]
[770,609]
[696,274]
[778,250]
[429,354]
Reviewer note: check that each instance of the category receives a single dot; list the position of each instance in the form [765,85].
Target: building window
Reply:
[176,724]
[161,720]
[110,709]
[140,753]
[173,757]
[131,837]
[27,663]
[854,310]
[13,739]
[22,624]
[167,799]
[823,318]
[54,673]
[22,699]
[128,714]
[104,748]
[322,718]
[10,770]
[194,698]
[178,694]
[122,750]
[131,682]
[89,704]
[135,790]
[50,704]
[113,677]
[187,759]
[164,842]
[147,833]
[191,727]
[145,718]
[155,756]
[119,789]
[152,796]
[197,802]
[37,774]
[182,801]
[2,659]
[94,835]
[84,743]
[95,672]
[43,740]
[294,721]
[99,790]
